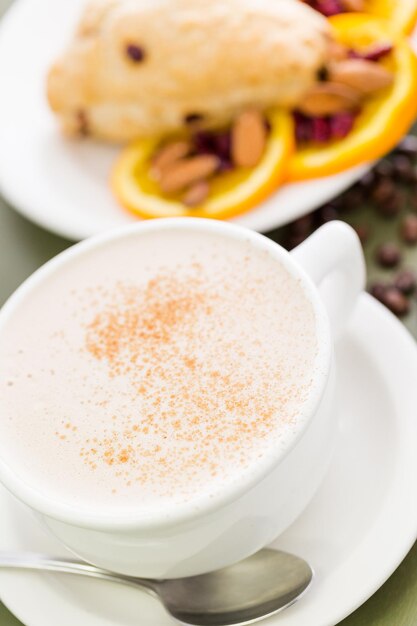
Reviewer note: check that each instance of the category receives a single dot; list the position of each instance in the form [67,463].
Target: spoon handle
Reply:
[32,561]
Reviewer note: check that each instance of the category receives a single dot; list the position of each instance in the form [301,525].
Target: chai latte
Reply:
[154,370]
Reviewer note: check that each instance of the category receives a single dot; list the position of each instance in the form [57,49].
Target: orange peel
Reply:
[231,193]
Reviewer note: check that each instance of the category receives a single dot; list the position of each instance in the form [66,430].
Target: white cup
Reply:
[241,519]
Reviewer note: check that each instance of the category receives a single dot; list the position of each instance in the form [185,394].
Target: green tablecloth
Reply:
[24,247]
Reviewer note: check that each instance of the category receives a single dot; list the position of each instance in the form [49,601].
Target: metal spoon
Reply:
[251,590]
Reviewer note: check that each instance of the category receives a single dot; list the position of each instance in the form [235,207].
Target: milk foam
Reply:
[154,371]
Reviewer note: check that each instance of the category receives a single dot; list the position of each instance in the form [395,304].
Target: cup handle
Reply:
[333,258]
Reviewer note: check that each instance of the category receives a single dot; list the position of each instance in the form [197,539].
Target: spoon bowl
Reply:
[261,585]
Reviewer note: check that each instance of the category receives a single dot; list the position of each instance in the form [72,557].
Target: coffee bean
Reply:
[338,203]
[294,240]
[363,231]
[352,198]
[327,213]
[388,255]
[368,181]
[391,206]
[406,282]
[413,199]
[302,226]
[384,190]
[403,168]
[396,301]
[377,290]
[408,146]
[408,229]
[384,168]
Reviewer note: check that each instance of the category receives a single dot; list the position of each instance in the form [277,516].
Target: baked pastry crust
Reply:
[137,68]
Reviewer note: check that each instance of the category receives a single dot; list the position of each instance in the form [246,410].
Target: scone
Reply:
[139,68]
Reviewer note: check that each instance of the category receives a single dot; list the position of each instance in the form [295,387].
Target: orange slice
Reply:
[231,193]
[384,118]
[402,14]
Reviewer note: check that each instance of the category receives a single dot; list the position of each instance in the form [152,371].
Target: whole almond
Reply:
[336,51]
[249,137]
[185,172]
[329,98]
[365,76]
[167,155]
[196,194]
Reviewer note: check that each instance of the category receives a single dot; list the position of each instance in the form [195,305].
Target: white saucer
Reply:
[63,185]
[358,528]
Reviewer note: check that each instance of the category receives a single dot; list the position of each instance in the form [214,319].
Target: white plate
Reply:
[63,185]
[358,528]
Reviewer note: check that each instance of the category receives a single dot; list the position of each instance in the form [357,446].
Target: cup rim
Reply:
[186,511]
